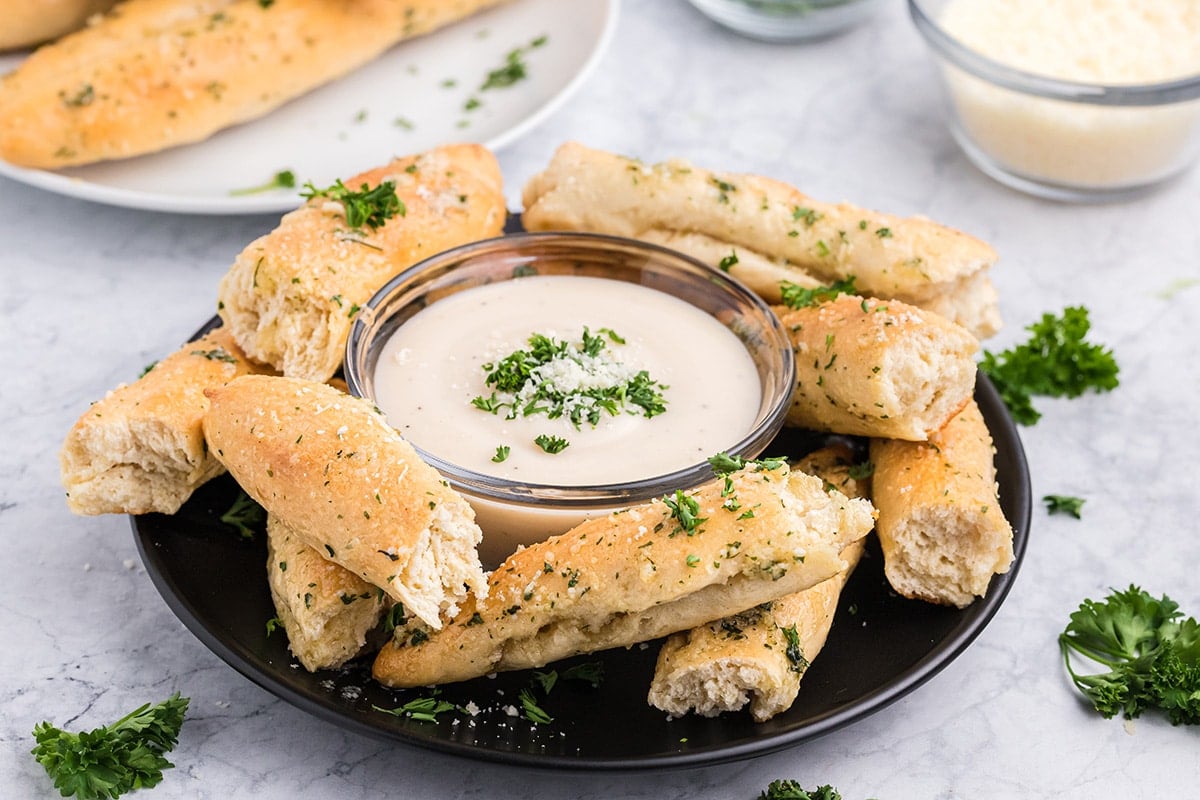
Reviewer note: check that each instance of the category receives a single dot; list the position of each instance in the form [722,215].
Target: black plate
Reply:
[881,647]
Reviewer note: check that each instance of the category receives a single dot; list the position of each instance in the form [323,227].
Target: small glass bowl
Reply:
[787,20]
[513,513]
[1059,139]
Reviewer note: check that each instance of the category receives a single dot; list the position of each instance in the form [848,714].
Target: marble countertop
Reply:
[93,293]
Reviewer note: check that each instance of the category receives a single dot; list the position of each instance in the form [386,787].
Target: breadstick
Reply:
[763,231]
[758,656]
[635,575]
[291,296]
[24,23]
[175,73]
[326,610]
[331,468]
[877,368]
[943,532]
[141,448]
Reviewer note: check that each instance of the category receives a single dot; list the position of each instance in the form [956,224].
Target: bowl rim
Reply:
[503,490]
[1100,94]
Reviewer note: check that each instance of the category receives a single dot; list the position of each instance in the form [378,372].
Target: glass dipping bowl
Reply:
[1059,139]
[513,513]
[787,20]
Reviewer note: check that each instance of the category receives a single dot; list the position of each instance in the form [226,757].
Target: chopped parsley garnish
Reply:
[1054,362]
[532,711]
[514,69]
[501,453]
[246,515]
[84,97]
[551,444]
[794,652]
[798,297]
[111,760]
[724,463]
[422,709]
[1064,504]
[216,354]
[861,471]
[577,380]
[284,179]
[369,207]
[685,510]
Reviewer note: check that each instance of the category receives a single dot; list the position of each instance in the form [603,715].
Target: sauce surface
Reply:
[433,367]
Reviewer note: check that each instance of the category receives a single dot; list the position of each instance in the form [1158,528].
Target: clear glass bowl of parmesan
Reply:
[554,377]
[1075,100]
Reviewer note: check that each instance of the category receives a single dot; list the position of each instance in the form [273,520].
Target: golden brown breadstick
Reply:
[877,368]
[326,610]
[330,466]
[764,232]
[291,296]
[760,655]
[24,23]
[635,575]
[141,448]
[173,73]
[943,532]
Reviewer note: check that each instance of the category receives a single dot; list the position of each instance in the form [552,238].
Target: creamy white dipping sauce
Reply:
[432,367]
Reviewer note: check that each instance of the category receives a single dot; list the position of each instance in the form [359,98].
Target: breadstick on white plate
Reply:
[877,368]
[24,23]
[330,467]
[291,296]
[141,448]
[943,532]
[632,576]
[172,73]
[326,610]
[764,232]
[758,657]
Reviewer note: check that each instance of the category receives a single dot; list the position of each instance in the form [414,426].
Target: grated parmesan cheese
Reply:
[1069,144]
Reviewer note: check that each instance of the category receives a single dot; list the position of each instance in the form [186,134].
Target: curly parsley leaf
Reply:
[111,760]
[1151,653]
[791,790]
[1054,362]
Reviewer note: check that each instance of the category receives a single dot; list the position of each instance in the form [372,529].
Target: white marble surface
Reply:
[91,294]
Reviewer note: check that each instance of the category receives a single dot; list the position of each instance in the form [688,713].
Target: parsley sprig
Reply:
[113,759]
[370,207]
[1054,362]
[1151,653]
